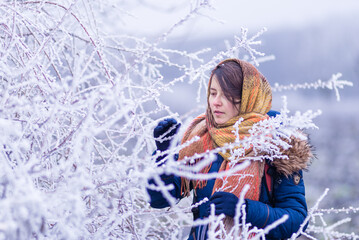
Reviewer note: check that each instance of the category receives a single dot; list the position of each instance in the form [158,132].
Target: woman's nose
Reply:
[217,101]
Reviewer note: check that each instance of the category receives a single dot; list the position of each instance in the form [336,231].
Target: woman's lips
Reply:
[218,113]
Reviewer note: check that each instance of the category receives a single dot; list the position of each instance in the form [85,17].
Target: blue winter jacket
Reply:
[287,195]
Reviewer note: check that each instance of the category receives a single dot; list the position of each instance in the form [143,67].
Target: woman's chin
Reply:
[219,121]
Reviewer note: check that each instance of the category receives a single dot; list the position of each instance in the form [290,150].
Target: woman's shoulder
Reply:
[299,157]
[300,154]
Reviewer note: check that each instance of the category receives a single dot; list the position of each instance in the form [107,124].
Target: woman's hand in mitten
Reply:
[224,202]
[162,141]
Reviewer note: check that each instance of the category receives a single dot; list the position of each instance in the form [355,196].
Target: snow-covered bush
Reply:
[78,106]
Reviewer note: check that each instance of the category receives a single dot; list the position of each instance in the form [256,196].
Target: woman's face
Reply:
[221,108]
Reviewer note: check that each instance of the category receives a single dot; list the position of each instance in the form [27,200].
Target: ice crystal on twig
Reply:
[246,43]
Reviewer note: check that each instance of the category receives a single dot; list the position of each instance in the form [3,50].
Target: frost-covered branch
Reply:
[326,230]
[334,83]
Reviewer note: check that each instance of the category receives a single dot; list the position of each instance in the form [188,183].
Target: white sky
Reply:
[252,14]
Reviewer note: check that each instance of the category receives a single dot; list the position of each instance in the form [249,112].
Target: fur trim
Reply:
[299,157]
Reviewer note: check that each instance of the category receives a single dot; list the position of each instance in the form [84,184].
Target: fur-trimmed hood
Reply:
[299,155]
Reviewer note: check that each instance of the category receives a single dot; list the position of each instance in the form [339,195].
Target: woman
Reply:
[237,90]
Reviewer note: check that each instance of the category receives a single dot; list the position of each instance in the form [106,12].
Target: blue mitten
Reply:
[225,202]
[273,113]
[161,129]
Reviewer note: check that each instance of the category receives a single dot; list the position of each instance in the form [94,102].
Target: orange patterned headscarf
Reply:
[255,103]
